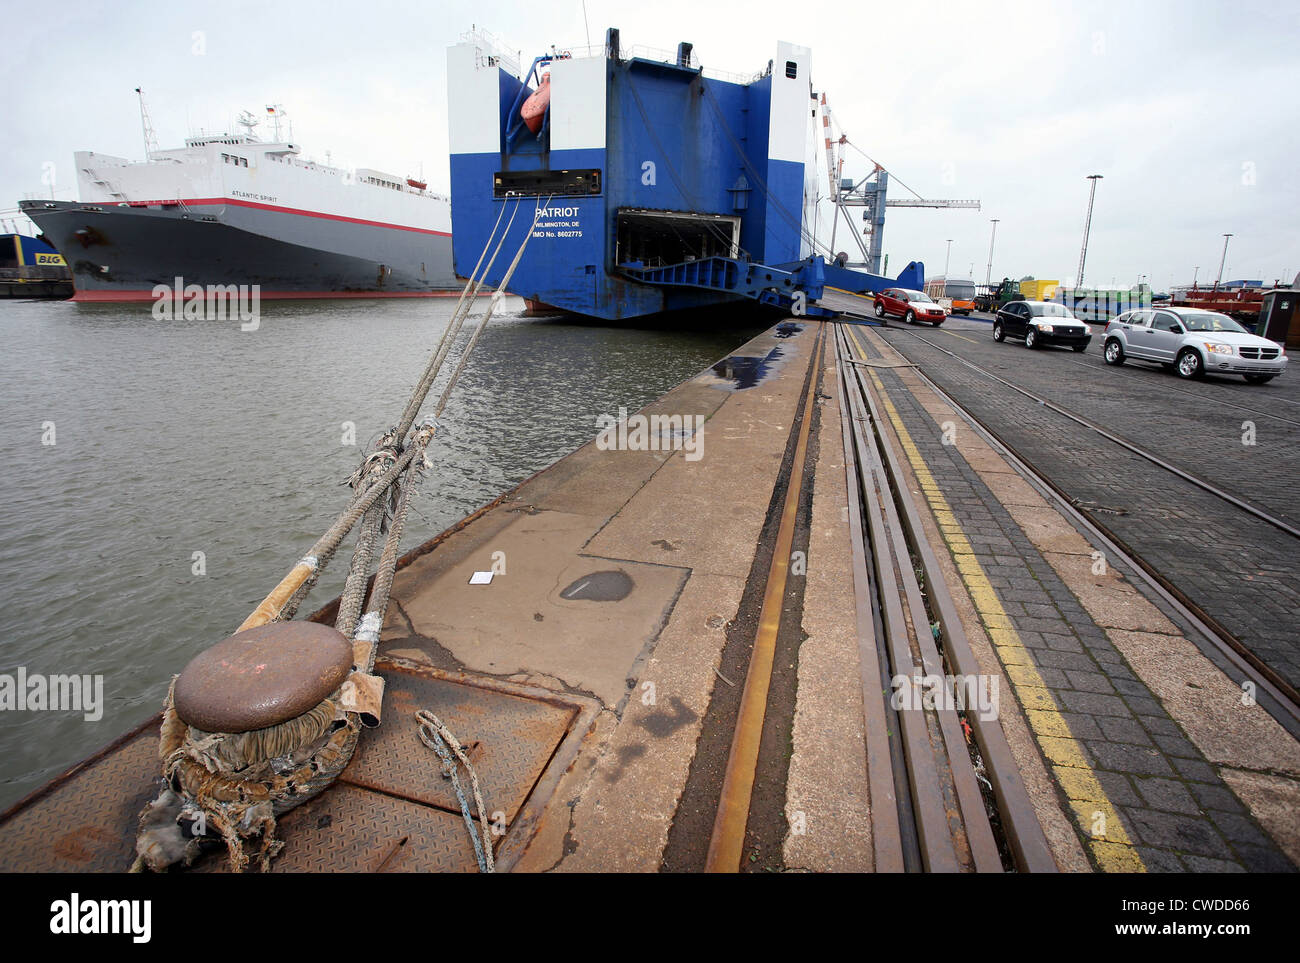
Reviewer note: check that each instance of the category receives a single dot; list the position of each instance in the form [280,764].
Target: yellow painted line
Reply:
[727,843]
[1111,848]
[962,336]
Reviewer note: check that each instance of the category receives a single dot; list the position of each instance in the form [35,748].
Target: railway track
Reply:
[1133,447]
[960,802]
[946,793]
[1278,695]
[1199,396]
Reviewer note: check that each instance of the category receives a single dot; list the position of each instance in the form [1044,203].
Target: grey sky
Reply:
[1188,109]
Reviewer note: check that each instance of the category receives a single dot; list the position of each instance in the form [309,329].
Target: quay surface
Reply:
[597,678]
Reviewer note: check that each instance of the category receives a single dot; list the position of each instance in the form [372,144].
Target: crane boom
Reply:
[915,202]
[870,193]
[150,141]
[830,154]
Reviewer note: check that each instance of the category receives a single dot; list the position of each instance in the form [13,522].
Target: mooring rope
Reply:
[492,306]
[354,590]
[387,568]
[271,607]
[244,803]
[284,599]
[437,737]
[354,587]
[463,307]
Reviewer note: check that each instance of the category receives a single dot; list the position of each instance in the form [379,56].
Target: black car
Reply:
[1039,323]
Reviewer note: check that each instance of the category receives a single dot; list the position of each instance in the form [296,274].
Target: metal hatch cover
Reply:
[390,811]
[509,739]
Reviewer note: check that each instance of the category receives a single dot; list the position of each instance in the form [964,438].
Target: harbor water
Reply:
[161,476]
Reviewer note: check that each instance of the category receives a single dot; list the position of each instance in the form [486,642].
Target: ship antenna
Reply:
[248,122]
[150,141]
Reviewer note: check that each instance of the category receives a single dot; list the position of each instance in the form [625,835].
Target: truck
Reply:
[991,297]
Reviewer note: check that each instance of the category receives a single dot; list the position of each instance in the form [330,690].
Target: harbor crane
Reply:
[146,125]
[868,193]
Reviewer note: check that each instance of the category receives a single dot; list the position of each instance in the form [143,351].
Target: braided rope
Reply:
[437,737]
[468,296]
[387,568]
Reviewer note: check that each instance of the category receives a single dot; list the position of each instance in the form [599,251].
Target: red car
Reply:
[912,306]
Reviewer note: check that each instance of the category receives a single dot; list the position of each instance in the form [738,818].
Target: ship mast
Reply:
[150,140]
[248,122]
[277,114]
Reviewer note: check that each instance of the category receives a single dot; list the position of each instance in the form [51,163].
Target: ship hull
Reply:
[639,164]
[121,252]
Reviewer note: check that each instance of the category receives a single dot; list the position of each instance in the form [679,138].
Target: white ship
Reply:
[232,209]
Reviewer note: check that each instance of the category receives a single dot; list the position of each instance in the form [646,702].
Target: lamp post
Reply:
[946,258]
[1087,226]
[988,274]
[1222,261]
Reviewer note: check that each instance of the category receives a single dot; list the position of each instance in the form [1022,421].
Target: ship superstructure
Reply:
[641,163]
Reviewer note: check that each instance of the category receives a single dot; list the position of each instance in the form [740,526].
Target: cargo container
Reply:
[1033,290]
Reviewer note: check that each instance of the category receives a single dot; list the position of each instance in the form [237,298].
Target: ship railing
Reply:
[733,78]
[668,56]
[581,51]
[493,51]
[491,45]
[651,53]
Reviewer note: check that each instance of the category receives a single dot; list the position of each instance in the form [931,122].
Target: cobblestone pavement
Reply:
[1239,569]
[1112,748]
[1197,425]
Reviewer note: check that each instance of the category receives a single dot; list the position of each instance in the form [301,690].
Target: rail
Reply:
[940,802]
[984,831]
[1279,696]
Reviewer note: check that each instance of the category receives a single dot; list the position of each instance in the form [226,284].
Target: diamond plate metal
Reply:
[352,830]
[517,737]
[392,791]
[87,823]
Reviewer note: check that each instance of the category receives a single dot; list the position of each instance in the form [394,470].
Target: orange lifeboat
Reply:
[534,108]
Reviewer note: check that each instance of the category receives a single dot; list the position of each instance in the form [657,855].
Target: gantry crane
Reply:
[870,194]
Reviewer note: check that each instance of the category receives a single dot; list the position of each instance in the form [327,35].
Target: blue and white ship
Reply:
[665,186]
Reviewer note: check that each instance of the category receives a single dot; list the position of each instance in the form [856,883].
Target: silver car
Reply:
[1192,342]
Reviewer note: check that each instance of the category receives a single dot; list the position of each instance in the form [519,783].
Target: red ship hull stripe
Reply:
[146,294]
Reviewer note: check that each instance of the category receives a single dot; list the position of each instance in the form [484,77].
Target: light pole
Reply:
[1194,274]
[1222,261]
[946,258]
[988,274]
[1087,226]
